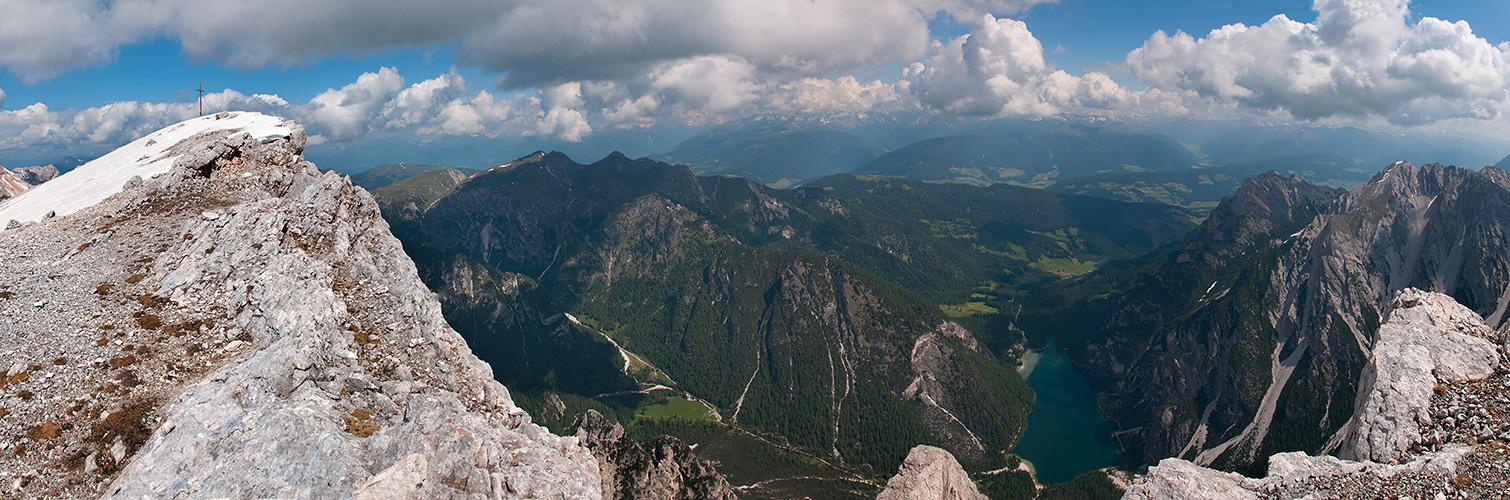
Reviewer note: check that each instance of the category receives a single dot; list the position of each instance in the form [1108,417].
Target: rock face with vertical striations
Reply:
[1250,338]
[930,473]
[1432,353]
[260,334]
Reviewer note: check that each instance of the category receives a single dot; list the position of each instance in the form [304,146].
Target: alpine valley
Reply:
[799,326]
[641,331]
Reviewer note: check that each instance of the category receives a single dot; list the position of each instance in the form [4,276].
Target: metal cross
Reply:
[200,89]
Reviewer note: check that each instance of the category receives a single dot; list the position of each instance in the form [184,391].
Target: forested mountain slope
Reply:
[790,312]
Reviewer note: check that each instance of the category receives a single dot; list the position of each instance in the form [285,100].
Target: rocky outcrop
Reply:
[1428,339]
[36,175]
[1297,475]
[1431,352]
[930,473]
[260,333]
[10,185]
[662,469]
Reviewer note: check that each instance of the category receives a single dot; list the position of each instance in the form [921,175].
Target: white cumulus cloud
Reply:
[1360,58]
[838,95]
[40,39]
[349,111]
[998,70]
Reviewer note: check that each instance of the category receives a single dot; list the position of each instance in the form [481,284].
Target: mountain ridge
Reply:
[1301,339]
[1037,158]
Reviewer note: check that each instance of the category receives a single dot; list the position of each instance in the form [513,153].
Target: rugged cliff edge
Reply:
[245,326]
[1431,421]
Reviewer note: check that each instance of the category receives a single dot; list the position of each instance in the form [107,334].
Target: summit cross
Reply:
[200,89]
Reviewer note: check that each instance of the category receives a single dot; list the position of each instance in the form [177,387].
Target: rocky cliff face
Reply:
[930,473]
[1250,339]
[662,469]
[1429,421]
[245,326]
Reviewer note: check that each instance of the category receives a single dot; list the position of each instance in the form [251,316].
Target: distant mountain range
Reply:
[1202,188]
[1230,142]
[1189,164]
[773,152]
[383,175]
[1115,161]
[1040,158]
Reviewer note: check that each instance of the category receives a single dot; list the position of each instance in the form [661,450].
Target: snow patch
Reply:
[145,157]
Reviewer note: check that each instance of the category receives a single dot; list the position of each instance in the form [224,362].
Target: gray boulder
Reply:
[1426,339]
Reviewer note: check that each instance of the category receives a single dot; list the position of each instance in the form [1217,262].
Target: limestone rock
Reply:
[1427,338]
[327,266]
[930,473]
[663,469]
[1177,479]
[347,381]
[1297,475]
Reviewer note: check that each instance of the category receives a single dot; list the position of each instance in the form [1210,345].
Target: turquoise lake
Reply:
[1066,435]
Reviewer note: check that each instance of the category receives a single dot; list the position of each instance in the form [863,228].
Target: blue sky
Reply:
[572,69]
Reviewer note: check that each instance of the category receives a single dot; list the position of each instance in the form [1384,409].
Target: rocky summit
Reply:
[242,325]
